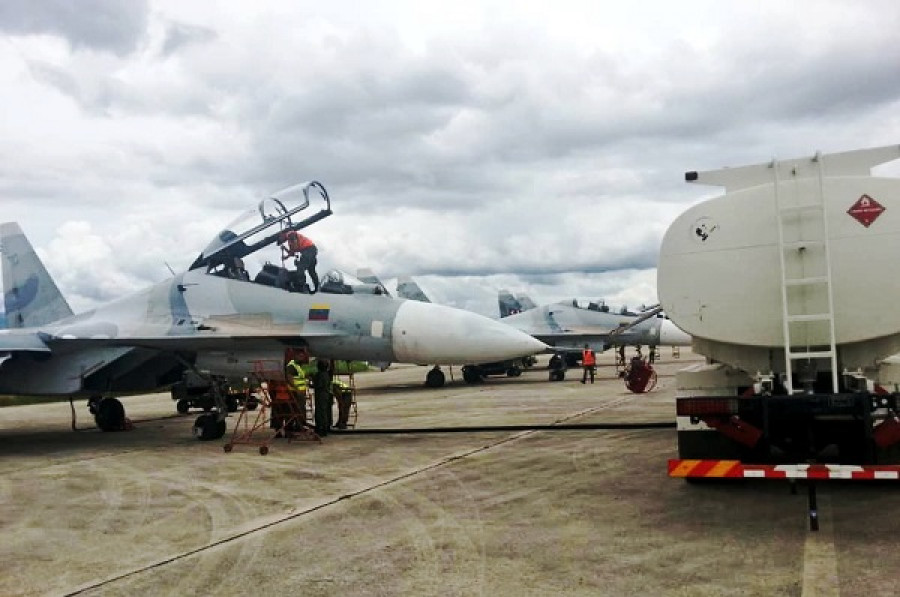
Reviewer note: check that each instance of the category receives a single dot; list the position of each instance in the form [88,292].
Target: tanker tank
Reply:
[786,284]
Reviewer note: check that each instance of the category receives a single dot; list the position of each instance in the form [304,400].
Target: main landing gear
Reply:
[109,414]
[208,427]
[435,378]
[211,425]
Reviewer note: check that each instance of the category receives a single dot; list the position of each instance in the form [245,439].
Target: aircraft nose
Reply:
[428,333]
[671,335]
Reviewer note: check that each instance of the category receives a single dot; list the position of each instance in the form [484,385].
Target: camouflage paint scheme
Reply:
[144,341]
[567,326]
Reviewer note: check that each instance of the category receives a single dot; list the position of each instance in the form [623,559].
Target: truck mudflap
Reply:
[734,469]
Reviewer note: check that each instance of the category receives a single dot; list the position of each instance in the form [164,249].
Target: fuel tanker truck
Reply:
[787,284]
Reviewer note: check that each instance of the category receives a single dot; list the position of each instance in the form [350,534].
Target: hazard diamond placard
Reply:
[866,210]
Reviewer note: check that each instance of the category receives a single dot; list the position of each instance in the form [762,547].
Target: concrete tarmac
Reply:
[572,512]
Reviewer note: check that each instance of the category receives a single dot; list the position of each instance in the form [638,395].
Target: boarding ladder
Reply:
[806,284]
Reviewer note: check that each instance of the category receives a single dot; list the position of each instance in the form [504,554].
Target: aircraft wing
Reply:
[22,342]
[211,334]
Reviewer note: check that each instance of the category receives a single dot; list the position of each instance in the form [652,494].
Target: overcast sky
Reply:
[535,146]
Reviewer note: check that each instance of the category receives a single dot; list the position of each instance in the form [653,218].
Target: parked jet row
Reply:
[214,320]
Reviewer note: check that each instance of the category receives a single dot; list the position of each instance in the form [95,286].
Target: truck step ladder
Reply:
[806,285]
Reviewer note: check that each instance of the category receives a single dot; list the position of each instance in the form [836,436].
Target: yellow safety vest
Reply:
[298,379]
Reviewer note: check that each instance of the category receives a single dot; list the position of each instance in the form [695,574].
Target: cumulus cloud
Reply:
[541,150]
[108,25]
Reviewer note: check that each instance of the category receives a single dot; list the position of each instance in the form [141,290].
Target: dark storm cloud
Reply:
[110,25]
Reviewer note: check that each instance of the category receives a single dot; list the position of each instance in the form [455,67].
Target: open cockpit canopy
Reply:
[259,227]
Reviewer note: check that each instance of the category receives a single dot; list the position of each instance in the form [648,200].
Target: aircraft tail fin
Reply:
[408,289]
[30,296]
[525,302]
[508,304]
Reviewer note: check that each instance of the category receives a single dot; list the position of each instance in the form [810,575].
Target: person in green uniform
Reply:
[344,397]
[321,382]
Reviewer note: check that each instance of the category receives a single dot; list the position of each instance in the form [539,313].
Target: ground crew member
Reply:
[588,362]
[297,380]
[296,245]
[344,397]
[321,382]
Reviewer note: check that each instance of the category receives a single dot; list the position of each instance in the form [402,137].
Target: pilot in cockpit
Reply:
[237,270]
[294,244]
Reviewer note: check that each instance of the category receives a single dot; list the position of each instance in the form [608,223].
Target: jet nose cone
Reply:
[429,333]
[671,335]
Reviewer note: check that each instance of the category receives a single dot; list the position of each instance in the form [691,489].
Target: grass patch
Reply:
[25,400]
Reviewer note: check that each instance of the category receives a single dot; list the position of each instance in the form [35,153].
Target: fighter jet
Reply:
[567,327]
[215,321]
[472,372]
[510,305]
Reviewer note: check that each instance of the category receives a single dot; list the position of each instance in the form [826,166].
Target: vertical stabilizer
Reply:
[525,302]
[30,297]
[408,289]
[508,304]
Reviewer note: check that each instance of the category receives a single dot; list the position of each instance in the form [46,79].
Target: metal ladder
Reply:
[805,275]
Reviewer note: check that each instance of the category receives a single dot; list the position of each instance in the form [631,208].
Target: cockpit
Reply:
[264,226]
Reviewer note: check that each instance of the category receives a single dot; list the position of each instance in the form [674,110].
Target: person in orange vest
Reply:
[294,244]
[588,362]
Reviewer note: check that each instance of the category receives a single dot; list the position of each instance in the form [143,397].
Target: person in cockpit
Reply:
[294,244]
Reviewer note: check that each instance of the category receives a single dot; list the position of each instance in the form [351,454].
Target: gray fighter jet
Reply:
[473,372]
[567,327]
[214,320]
[510,305]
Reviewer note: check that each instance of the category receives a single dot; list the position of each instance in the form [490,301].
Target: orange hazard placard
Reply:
[866,210]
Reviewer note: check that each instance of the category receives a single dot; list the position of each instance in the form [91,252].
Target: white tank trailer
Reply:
[787,285]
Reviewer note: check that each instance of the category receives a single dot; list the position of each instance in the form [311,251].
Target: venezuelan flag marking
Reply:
[319,312]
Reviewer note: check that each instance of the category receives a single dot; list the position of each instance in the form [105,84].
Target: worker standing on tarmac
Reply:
[322,387]
[344,397]
[296,245]
[297,380]
[589,362]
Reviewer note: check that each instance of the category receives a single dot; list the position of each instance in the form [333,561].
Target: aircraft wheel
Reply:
[555,362]
[557,375]
[513,372]
[110,415]
[471,374]
[179,391]
[232,403]
[207,427]
[435,378]
[182,406]
[93,404]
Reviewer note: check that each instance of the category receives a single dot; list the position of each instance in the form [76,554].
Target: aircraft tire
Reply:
[435,378]
[207,427]
[110,415]
[557,375]
[513,372]
[182,406]
[93,403]
[471,374]
[232,403]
